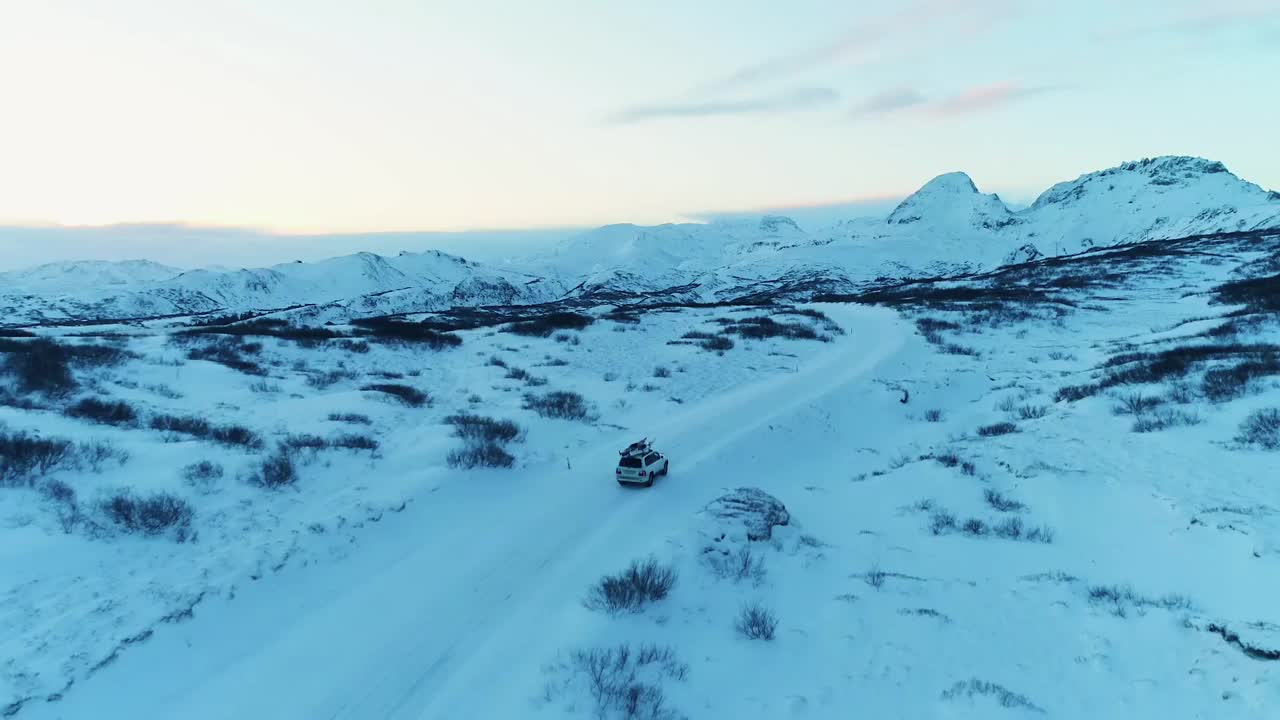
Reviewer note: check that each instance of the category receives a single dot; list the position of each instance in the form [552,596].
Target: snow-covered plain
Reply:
[933,564]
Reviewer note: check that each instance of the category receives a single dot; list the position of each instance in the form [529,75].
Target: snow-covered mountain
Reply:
[77,275]
[947,227]
[368,284]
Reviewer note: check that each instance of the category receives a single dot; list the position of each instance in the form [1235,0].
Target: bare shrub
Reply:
[642,583]
[942,523]
[875,577]
[262,386]
[305,441]
[63,497]
[738,566]
[974,526]
[236,435]
[496,361]
[933,416]
[25,457]
[1003,696]
[1001,502]
[1120,600]
[410,396]
[352,441]
[277,470]
[1137,404]
[352,418]
[1032,412]
[756,622]
[1164,419]
[98,453]
[103,411]
[1010,529]
[968,468]
[202,475]
[560,404]
[486,429]
[717,344]
[1262,429]
[661,372]
[947,459]
[515,373]
[327,379]
[1040,534]
[1001,428]
[156,514]
[626,683]
[480,454]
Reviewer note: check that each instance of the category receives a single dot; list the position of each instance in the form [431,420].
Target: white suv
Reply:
[641,469]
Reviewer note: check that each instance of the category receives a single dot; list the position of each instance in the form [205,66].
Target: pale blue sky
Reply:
[318,116]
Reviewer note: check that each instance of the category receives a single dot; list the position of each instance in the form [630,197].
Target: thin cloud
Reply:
[792,100]
[972,100]
[889,101]
[986,97]
[876,37]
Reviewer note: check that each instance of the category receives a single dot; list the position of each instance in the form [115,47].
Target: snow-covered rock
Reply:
[745,513]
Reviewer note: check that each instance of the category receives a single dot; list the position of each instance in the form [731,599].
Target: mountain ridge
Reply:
[948,226]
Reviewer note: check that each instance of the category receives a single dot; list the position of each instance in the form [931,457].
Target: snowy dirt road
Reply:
[451,606]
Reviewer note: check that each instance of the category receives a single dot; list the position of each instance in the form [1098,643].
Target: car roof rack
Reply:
[640,447]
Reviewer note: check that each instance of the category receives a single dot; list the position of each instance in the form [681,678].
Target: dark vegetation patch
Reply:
[707,341]
[44,366]
[352,418]
[762,328]
[1248,363]
[389,330]
[996,429]
[233,435]
[105,412]
[231,351]
[410,396]
[15,333]
[549,323]
[307,336]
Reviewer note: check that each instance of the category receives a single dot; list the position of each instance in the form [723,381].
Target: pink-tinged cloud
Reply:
[874,38]
[985,97]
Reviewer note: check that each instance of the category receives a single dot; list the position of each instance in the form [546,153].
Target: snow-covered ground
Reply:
[974,525]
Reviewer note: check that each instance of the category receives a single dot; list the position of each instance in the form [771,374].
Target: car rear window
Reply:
[630,462]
